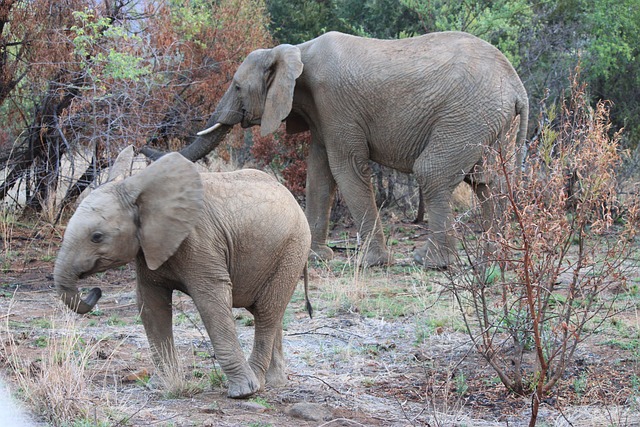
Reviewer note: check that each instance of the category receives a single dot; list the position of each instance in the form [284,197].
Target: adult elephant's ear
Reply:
[286,68]
[170,200]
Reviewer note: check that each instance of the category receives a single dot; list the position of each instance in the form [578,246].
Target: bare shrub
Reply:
[549,271]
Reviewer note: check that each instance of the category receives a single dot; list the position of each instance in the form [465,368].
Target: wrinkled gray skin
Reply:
[236,239]
[427,105]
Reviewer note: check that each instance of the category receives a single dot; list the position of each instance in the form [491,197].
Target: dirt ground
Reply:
[385,348]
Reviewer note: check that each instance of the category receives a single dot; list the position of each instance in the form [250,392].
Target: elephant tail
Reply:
[522,110]
[306,290]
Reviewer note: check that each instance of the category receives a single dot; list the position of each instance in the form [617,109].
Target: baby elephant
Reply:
[236,239]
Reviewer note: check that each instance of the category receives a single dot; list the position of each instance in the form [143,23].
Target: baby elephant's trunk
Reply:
[68,291]
[73,300]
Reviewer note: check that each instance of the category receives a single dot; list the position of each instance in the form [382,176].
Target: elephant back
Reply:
[250,200]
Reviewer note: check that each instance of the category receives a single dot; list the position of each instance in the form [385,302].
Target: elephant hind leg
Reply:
[263,342]
[437,181]
[276,375]
[267,358]
[483,193]
[215,311]
[437,252]
[491,210]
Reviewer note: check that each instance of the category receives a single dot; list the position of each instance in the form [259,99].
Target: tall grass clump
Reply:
[548,272]
[55,386]
[7,224]
[174,379]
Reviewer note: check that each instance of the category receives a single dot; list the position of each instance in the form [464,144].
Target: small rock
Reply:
[421,356]
[309,411]
[252,406]
[212,409]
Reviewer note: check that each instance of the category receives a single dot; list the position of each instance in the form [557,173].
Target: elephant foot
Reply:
[243,387]
[431,257]
[320,253]
[376,256]
[276,377]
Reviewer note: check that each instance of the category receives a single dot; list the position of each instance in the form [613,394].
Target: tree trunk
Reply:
[44,144]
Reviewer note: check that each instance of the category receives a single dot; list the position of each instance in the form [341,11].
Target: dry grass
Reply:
[56,385]
[398,291]
[175,381]
[7,223]
[386,348]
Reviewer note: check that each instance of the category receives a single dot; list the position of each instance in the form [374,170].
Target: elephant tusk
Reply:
[209,130]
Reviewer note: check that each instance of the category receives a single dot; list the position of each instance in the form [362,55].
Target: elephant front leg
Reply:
[321,188]
[154,304]
[353,175]
[214,302]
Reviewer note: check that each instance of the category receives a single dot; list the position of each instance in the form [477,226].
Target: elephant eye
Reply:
[237,87]
[96,237]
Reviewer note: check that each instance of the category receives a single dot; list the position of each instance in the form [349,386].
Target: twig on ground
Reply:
[404,413]
[312,332]
[342,421]
[128,418]
[319,379]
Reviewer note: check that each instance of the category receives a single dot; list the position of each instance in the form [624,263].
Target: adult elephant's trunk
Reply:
[68,291]
[199,148]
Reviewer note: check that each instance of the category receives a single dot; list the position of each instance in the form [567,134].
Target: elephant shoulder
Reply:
[334,36]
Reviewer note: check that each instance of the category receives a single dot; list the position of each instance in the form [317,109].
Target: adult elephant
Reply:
[236,239]
[427,105]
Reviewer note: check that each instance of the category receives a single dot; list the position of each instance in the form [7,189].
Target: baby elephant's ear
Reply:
[122,166]
[170,200]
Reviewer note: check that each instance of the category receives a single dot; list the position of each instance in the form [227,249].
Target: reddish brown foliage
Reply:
[285,154]
[73,96]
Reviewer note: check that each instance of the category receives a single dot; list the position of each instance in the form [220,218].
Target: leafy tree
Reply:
[610,51]
[36,88]
[296,21]
[386,19]
[498,22]
[300,20]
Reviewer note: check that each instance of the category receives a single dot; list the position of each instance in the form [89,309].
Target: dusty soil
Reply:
[385,348]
